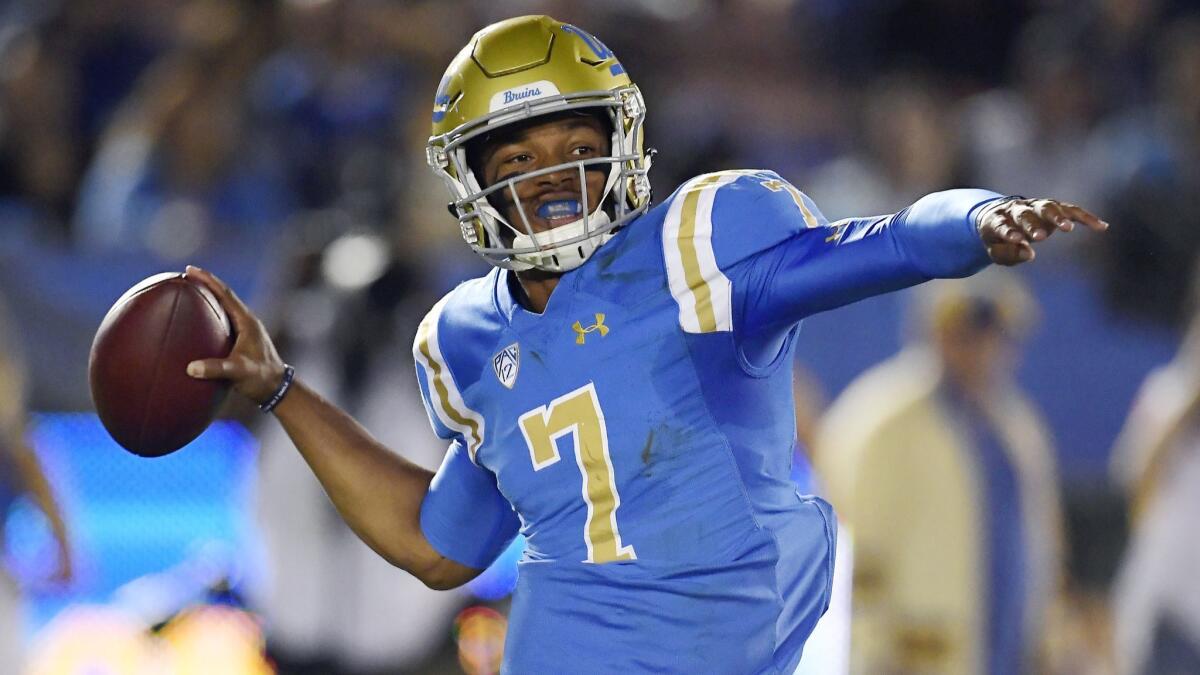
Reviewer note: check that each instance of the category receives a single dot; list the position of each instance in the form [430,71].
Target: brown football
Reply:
[137,368]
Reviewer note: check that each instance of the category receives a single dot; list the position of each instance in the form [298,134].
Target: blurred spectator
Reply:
[1120,36]
[942,472]
[20,473]
[332,94]
[1032,137]
[909,148]
[181,170]
[40,153]
[108,44]
[1153,153]
[1156,600]
[969,42]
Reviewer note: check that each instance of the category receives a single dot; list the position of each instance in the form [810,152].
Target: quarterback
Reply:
[618,387]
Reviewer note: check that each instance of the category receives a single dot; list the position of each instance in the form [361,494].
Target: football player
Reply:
[618,388]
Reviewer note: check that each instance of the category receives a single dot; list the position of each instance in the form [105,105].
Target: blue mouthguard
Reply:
[559,208]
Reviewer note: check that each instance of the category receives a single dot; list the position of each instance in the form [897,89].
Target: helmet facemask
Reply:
[516,245]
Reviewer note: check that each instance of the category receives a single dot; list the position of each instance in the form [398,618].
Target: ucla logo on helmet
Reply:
[441,100]
[602,52]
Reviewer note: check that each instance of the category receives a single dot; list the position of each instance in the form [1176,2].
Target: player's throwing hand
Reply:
[1010,228]
[253,367]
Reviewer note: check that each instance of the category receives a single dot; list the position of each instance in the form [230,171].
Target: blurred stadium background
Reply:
[280,144]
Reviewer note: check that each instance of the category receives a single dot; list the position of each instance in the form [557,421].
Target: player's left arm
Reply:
[948,234]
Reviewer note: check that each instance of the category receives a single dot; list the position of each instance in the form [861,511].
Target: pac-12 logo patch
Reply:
[506,364]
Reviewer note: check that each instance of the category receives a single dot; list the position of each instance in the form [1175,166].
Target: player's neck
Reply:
[533,288]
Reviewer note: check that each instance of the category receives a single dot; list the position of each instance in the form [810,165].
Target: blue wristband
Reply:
[284,384]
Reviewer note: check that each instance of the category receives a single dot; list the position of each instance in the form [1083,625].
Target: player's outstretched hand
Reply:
[253,367]
[1011,228]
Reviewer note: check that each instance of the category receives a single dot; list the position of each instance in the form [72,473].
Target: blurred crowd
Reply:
[189,129]
[280,143]
[254,134]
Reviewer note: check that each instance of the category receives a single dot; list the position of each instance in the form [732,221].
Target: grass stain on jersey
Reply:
[648,453]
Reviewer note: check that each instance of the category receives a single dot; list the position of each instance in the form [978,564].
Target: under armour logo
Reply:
[581,332]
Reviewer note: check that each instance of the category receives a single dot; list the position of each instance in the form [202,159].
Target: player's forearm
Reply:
[939,233]
[858,258]
[377,492]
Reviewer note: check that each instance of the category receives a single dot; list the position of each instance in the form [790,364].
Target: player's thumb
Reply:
[213,369]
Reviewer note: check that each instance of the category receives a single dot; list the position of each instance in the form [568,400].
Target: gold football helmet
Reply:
[515,70]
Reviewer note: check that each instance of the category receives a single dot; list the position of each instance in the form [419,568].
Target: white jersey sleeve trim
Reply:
[445,399]
[702,291]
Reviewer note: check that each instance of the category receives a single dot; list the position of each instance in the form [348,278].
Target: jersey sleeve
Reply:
[464,516]
[746,251]
[435,419]
[449,414]
[834,265]
[715,223]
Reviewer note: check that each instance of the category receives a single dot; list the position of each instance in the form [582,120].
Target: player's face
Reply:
[552,199]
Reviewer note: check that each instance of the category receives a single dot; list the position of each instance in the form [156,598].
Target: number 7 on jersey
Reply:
[578,413]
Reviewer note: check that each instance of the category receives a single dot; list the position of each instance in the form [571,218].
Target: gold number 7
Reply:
[579,413]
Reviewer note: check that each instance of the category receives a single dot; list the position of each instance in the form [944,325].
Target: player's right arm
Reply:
[378,493]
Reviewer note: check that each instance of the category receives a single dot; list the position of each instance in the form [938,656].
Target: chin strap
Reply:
[555,257]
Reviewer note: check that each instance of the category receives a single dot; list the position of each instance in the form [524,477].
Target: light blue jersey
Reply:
[639,432]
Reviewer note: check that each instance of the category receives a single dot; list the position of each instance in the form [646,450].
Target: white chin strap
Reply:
[553,256]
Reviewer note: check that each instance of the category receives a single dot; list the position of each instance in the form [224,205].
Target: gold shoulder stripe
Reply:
[447,401]
[775,185]
[686,239]
[702,291]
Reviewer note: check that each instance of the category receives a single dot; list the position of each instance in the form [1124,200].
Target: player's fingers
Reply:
[239,314]
[1052,212]
[254,378]
[1000,228]
[1082,215]
[217,369]
[1009,254]
[1031,225]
